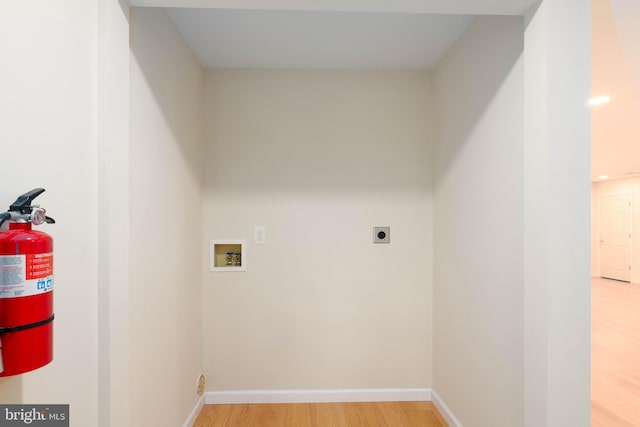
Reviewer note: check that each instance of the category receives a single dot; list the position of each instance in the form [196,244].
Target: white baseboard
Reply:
[444,410]
[318,396]
[193,415]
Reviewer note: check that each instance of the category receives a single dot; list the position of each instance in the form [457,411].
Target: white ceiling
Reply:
[314,39]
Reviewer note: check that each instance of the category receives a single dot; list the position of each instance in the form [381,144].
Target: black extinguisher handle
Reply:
[23,202]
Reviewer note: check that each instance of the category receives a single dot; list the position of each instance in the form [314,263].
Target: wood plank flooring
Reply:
[615,364]
[375,414]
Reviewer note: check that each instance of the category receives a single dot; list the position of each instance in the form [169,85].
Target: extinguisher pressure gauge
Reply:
[38,216]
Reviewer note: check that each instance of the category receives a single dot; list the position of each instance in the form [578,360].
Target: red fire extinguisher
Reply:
[26,288]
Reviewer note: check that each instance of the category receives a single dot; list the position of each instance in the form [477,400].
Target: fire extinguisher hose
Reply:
[24,327]
[4,217]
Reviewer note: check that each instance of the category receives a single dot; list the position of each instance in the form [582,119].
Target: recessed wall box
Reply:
[227,255]
[381,234]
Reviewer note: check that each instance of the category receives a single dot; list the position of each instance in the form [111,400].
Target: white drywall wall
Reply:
[319,158]
[557,288]
[47,117]
[478,220]
[166,177]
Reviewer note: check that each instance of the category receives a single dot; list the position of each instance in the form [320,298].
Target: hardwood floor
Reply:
[378,414]
[615,365]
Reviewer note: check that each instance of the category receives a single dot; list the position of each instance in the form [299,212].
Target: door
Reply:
[615,237]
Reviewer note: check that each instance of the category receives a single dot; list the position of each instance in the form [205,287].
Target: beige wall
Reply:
[478,217]
[319,158]
[166,180]
[48,139]
[617,186]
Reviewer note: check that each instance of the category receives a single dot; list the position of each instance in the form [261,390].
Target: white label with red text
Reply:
[25,275]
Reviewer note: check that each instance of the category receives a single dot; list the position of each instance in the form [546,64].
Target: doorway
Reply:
[615,237]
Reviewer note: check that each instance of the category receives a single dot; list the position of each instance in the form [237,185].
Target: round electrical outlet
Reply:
[200,384]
